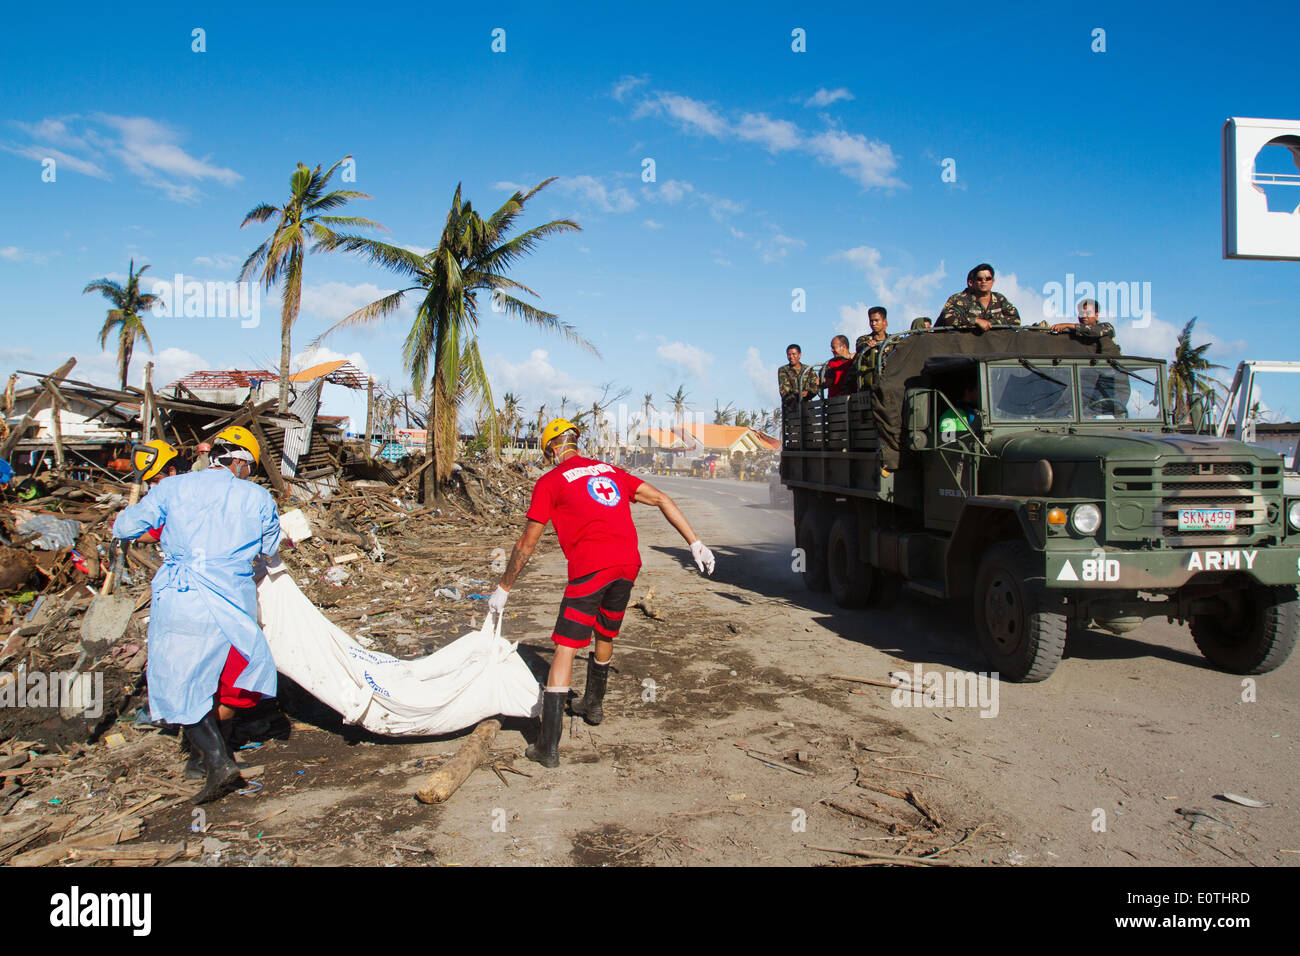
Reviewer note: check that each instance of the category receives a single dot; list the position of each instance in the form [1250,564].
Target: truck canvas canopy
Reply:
[913,356]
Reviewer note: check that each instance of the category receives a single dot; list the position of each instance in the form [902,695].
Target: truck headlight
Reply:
[1293,516]
[1086,519]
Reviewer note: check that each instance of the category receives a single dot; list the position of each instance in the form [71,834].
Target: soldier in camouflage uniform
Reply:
[1087,328]
[866,345]
[790,379]
[979,306]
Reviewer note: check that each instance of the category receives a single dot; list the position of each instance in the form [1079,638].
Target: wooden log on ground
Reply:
[444,781]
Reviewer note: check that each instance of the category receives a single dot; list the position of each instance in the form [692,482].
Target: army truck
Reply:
[1038,476]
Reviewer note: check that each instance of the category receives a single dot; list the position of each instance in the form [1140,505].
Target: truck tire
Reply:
[1257,634]
[852,581]
[811,538]
[1021,624]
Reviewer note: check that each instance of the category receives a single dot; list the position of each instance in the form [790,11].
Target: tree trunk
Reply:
[445,432]
[285,325]
[430,482]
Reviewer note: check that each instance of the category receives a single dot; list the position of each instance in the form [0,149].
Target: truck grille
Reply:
[1250,490]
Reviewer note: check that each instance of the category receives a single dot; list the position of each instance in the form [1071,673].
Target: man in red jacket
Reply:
[589,502]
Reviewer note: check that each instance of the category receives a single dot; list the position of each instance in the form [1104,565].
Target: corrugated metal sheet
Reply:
[297,438]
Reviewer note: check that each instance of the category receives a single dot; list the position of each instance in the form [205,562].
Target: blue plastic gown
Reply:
[204,596]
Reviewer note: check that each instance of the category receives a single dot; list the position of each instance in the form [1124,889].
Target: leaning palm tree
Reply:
[302,219]
[473,255]
[1188,373]
[723,416]
[128,302]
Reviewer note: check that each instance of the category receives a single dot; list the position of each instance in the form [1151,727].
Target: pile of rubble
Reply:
[402,576]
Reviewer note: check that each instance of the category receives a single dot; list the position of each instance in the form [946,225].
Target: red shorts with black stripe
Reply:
[227,692]
[594,601]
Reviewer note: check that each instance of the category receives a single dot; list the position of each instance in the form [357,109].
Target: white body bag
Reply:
[475,677]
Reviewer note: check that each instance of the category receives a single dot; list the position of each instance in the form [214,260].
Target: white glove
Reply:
[497,602]
[703,557]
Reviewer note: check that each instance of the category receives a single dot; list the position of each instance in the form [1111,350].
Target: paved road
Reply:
[1127,730]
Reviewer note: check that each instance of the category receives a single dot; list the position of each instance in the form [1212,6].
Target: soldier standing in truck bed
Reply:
[1087,328]
[979,306]
[796,380]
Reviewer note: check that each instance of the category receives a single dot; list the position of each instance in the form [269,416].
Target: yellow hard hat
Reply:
[238,435]
[152,457]
[555,428]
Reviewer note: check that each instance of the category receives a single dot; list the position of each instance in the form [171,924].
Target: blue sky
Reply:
[775,170]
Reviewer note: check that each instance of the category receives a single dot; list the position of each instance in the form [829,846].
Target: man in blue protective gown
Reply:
[207,654]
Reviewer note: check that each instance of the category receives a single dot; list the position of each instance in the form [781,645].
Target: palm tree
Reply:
[1187,374]
[472,256]
[510,415]
[679,403]
[722,416]
[128,302]
[301,219]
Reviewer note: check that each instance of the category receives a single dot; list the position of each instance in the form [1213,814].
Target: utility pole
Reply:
[370,409]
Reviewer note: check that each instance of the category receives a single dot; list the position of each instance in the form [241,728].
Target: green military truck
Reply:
[1037,476]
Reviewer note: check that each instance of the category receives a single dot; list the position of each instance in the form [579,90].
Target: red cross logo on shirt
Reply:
[603,491]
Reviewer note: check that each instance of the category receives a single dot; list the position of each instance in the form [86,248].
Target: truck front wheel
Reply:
[1021,624]
[1256,631]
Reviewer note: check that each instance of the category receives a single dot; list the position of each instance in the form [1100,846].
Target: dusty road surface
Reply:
[727,740]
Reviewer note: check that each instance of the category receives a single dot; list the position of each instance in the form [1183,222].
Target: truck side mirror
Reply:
[918,417]
[1197,412]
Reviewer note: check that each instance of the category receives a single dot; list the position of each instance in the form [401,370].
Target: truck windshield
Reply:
[1119,390]
[1031,391]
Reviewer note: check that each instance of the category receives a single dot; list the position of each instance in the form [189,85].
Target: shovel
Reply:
[106,618]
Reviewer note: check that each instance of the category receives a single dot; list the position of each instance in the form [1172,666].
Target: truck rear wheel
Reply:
[1020,623]
[1257,632]
[852,581]
[811,538]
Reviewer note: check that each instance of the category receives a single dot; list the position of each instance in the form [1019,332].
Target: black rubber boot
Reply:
[195,768]
[223,775]
[547,749]
[591,706]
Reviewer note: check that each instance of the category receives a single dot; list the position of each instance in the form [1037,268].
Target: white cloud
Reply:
[651,224]
[726,263]
[736,233]
[762,377]
[825,97]
[626,84]
[900,293]
[509,187]
[317,355]
[776,135]
[854,321]
[14,254]
[535,380]
[690,358]
[100,368]
[695,116]
[1031,304]
[149,149]
[592,190]
[870,162]
[220,260]
[776,247]
[674,190]
[332,301]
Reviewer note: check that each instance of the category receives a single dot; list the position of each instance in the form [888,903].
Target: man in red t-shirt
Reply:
[589,502]
[839,381]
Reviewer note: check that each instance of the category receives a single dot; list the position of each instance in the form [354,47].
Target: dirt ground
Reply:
[730,739]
